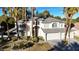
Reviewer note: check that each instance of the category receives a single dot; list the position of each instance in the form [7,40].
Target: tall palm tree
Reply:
[14,14]
[69,12]
[9,9]
[33,9]
[16,19]
[24,16]
[23,12]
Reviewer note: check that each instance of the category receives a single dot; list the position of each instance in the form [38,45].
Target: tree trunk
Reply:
[36,28]
[8,30]
[2,35]
[25,21]
[67,26]
[17,28]
[69,30]
[32,22]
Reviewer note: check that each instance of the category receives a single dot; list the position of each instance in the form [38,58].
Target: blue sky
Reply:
[56,11]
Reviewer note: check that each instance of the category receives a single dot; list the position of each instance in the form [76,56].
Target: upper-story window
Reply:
[62,25]
[54,25]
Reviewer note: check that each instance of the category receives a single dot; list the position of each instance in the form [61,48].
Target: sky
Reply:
[55,11]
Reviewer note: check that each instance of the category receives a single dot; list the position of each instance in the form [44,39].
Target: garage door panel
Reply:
[53,36]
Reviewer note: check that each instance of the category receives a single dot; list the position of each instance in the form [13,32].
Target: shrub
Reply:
[29,44]
[29,38]
[41,38]
[34,39]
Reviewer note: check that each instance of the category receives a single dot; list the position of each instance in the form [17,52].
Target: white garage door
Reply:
[53,36]
[58,36]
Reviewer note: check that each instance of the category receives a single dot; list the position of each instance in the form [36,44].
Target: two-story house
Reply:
[52,29]
[49,28]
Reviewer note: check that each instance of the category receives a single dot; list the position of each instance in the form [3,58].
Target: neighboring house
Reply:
[54,29]
[51,28]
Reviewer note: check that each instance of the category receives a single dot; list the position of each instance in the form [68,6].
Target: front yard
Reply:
[25,44]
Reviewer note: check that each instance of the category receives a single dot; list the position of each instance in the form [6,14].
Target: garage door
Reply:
[53,36]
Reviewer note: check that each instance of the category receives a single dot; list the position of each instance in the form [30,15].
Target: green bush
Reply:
[34,39]
[37,39]
[29,38]
[41,38]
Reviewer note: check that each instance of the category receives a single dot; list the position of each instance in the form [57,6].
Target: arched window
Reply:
[54,25]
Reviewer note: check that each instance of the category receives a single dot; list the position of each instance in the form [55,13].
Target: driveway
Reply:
[55,42]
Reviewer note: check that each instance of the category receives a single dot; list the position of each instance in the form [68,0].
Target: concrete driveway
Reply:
[54,42]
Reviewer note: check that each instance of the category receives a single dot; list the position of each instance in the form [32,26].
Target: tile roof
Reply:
[47,20]
[55,30]
[50,19]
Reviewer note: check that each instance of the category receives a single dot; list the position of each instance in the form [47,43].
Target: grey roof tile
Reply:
[55,30]
[50,19]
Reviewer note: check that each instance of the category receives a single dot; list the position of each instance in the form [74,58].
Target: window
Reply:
[54,25]
[62,25]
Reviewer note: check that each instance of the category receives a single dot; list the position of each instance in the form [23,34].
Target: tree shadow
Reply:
[69,47]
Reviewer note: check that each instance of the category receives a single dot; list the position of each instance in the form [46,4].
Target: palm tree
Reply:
[69,12]
[23,12]
[16,19]
[24,16]
[9,9]
[33,9]
[36,25]
[14,14]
